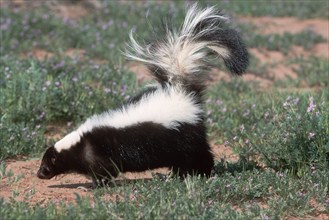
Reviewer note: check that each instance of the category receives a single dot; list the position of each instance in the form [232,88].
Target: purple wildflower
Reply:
[45,16]
[59,65]
[246,113]
[47,83]
[210,121]
[265,217]
[286,104]
[311,105]
[41,116]
[310,135]
[295,101]
[219,102]
[107,90]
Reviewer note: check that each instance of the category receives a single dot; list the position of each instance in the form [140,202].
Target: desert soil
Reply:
[25,186]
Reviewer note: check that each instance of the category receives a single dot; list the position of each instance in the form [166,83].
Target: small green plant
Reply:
[300,140]
[302,10]
[286,133]
[2,169]
[8,174]
[315,71]
[306,39]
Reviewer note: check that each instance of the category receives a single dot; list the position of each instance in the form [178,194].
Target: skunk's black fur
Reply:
[164,125]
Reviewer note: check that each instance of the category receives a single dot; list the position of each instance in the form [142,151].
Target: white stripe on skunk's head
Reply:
[68,141]
[165,106]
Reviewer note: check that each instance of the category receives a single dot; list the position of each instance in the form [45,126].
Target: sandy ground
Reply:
[25,186]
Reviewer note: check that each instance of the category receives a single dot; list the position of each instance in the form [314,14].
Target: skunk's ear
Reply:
[53,155]
[53,160]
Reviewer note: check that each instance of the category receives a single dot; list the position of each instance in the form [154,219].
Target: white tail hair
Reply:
[182,53]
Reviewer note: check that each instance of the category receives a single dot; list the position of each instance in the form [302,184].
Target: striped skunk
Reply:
[162,126]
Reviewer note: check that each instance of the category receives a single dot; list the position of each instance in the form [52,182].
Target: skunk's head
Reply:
[49,165]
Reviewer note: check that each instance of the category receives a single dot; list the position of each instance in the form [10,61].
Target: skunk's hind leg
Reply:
[202,164]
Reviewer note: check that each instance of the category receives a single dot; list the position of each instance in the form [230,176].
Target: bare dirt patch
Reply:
[71,11]
[38,54]
[280,25]
[141,71]
[278,67]
[221,151]
[30,189]
[24,185]
[73,53]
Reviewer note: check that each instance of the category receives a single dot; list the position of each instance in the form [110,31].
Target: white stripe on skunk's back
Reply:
[168,107]
[164,106]
[68,141]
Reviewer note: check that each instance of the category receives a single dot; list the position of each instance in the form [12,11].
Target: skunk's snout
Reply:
[45,173]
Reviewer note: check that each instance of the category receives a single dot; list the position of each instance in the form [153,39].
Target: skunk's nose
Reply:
[44,173]
[41,175]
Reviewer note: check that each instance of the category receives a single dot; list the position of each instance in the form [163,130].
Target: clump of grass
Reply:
[306,39]
[299,141]
[312,72]
[20,139]
[304,9]
[315,71]
[287,133]
[104,33]
[35,94]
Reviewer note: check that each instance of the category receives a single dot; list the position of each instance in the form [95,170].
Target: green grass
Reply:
[306,39]
[36,94]
[280,134]
[300,9]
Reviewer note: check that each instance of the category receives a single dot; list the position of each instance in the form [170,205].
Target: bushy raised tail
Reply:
[181,55]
